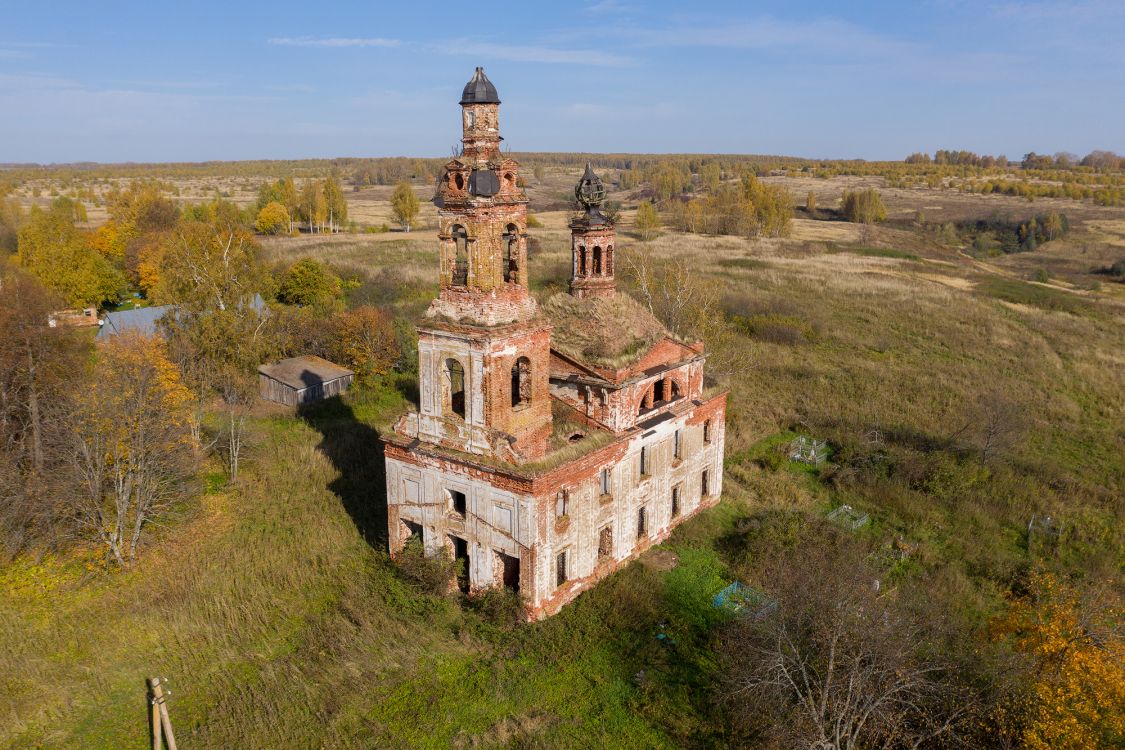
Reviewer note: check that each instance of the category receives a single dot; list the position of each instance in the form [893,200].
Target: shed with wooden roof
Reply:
[302,380]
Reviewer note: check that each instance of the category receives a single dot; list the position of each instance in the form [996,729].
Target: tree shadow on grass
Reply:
[355,450]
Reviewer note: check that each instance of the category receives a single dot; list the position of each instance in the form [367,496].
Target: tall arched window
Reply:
[511,253]
[597,269]
[521,382]
[581,260]
[460,256]
[609,261]
[456,374]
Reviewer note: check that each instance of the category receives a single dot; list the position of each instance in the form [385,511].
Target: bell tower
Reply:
[592,237]
[484,349]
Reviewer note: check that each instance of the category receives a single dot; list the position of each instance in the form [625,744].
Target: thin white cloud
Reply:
[535,54]
[608,6]
[333,41]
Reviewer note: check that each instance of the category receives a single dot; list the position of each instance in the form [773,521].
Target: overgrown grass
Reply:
[1036,295]
[281,624]
[875,252]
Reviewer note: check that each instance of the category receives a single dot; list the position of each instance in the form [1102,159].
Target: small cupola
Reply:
[592,237]
[479,90]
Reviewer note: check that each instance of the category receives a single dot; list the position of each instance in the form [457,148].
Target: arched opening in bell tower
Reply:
[455,375]
[597,268]
[460,256]
[521,382]
[511,253]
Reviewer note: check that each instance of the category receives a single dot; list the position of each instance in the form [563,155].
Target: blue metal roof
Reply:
[139,320]
[143,320]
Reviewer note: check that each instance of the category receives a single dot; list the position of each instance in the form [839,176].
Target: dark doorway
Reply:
[461,557]
[511,571]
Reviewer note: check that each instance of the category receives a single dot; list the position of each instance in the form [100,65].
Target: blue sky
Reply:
[161,81]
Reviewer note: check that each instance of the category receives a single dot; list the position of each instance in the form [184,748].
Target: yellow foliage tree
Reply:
[1079,687]
[364,339]
[272,219]
[132,446]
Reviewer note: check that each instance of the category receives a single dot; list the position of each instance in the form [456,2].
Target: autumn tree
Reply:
[364,339]
[38,365]
[772,206]
[647,221]
[272,219]
[711,176]
[863,206]
[671,290]
[211,264]
[1077,686]
[313,207]
[10,219]
[404,205]
[220,333]
[335,203]
[61,256]
[309,282]
[131,444]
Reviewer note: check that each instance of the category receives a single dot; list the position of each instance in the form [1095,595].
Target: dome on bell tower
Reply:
[480,90]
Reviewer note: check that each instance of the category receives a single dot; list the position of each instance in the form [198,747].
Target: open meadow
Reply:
[965,395]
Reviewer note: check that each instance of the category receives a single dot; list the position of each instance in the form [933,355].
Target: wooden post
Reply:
[165,721]
[154,714]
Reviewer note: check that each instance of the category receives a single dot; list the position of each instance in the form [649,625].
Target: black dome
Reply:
[480,90]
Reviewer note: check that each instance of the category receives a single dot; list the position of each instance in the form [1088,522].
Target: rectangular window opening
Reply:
[676,501]
[560,569]
[642,522]
[705,484]
[605,543]
[458,503]
[707,431]
[677,444]
[605,481]
[644,461]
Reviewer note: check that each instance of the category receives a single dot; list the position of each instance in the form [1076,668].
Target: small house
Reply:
[302,380]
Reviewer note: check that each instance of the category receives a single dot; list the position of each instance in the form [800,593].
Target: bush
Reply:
[309,282]
[433,575]
[863,206]
[272,219]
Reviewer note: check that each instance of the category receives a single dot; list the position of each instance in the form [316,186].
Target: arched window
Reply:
[597,270]
[521,382]
[609,261]
[511,253]
[581,260]
[456,374]
[673,390]
[461,255]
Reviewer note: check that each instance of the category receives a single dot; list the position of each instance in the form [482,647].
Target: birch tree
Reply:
[131,444]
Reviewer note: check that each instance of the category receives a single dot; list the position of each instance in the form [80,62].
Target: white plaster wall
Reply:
[495,519]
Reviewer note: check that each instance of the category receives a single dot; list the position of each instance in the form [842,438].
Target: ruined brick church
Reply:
[553,442]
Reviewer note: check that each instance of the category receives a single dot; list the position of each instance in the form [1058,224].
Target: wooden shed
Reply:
[302,380]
